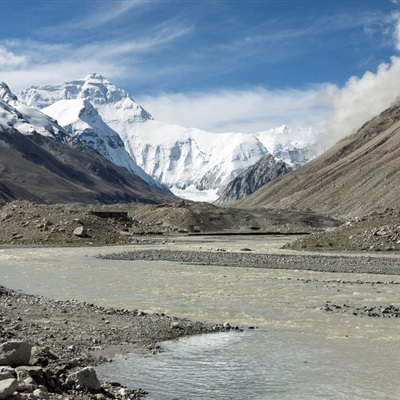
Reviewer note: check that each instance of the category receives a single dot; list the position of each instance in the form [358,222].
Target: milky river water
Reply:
[296,351]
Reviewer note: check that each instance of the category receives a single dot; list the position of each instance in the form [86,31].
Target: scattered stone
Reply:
[7,373]
[80,231]
[7,388]
[15,354]
[41,393]
[86,377]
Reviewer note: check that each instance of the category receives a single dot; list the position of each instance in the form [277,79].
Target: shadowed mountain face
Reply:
[262,172]
[359,174]
[47,170]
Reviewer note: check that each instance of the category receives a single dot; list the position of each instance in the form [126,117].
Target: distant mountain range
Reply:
[358,175]
[41,161]
[192,163]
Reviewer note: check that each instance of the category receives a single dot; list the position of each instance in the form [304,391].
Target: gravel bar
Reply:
[246,259]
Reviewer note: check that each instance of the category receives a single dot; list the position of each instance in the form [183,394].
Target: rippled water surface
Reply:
[296,352]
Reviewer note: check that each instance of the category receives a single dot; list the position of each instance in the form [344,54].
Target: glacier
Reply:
[192,163]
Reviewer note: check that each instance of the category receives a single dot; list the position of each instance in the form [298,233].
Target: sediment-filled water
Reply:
[296,351]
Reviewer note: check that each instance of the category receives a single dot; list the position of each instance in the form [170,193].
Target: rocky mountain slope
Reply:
[263,171]
[45,170]
[40,161]
[193,163]
[360,174]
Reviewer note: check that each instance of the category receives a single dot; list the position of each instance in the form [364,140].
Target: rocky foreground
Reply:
[47,347]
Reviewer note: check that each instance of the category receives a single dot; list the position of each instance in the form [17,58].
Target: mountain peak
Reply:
[6,94]
[95,76]
[95,88]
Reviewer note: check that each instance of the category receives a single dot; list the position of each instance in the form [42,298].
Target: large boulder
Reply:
[86,377]
[8,387]
[15,354]
[80,231]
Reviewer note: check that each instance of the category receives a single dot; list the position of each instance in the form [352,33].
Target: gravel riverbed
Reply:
[68,335]
[246,259]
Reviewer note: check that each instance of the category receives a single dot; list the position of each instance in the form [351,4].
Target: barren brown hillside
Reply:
[45,170]
[359,174]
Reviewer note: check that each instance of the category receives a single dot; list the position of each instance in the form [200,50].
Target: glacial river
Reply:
[296,351]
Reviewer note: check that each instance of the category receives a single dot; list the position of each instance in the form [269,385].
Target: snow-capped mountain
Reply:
[193,163]
[294,148]
[81,119]
[26,119]
[41,161]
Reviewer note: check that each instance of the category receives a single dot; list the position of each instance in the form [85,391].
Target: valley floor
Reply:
[68,332]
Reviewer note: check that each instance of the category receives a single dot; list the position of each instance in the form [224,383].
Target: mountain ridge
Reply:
[40,161]
[358,175]
[263,171]
[194,164]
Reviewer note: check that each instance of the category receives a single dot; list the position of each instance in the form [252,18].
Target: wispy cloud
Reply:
[396,17]
[8,60]
[32,59]
[109,12]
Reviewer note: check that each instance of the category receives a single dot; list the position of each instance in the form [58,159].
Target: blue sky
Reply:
[217,65]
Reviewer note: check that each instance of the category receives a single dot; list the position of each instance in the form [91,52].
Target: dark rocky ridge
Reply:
[263,171]
[47,170]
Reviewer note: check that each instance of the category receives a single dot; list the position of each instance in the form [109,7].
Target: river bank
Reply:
[69,335]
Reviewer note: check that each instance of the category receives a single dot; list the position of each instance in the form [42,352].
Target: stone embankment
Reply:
[48,347]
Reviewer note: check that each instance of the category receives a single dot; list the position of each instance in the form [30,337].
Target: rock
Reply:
[33,371]
[15,354]
[7,373]
[41,356]
[7,388]
[86,377]
[41,393]
[80,231]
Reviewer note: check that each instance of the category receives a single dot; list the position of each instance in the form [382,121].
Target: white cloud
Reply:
[10,60]
[333,112]
[245,111]
[361,99]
